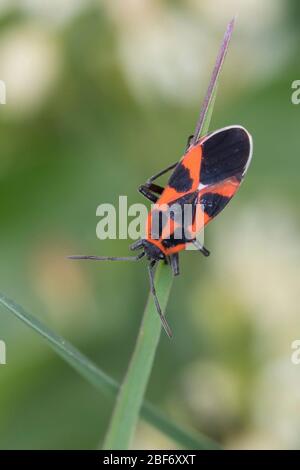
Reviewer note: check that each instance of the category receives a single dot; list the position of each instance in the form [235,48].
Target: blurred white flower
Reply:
[168,51]
[160,49]
[211,392]
[68,293]
[276,402]
[253,439]
[52,11]
[147,438]
[253,16]
[255,273]
[60,284]
[5,5]
[258,263]
[258,50]
[30,63]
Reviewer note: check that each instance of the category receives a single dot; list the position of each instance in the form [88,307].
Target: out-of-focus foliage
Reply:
[100,95]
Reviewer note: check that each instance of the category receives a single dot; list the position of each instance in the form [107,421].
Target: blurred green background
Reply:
[101,95]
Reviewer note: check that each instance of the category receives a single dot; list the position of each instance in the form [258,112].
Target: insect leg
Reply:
[136,245]
[189,141]
[174,259]
[108,258]
[160,173]
[158,308]
[149,190]
[201,248]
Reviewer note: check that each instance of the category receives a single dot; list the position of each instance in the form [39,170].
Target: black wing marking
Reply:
[226,153]
[181,180]
[213,203]
[159,220]
[190,198]
[178,211]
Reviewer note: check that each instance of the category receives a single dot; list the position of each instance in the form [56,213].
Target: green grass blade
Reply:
[208,115]
[128,405]
[210,96]
[130,398]
[99,379]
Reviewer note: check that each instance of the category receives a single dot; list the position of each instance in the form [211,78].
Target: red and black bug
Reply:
[205,179]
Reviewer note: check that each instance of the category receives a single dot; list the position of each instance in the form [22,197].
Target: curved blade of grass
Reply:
[131,395]
[96,377]
[128,405]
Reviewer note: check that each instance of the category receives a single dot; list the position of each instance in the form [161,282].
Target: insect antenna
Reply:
[109,258]
[158,308]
